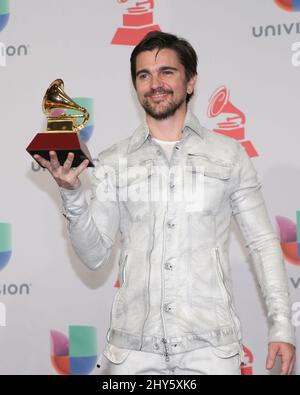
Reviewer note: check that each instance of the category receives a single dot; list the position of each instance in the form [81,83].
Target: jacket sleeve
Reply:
[251,216]
[93,227]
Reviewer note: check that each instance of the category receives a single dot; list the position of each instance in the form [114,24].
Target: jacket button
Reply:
[171,225]
[167,308]
[156,346]
[172,185]
[169,266]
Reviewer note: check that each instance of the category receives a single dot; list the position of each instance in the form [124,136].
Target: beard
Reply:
[169,109]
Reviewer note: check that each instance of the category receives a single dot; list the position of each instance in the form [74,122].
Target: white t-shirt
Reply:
[167,146]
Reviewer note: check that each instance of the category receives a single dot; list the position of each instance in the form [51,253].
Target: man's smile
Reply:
[159,97]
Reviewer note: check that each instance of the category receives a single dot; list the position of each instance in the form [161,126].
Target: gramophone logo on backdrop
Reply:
[234,123]
[76,355]
[289,234]
[4,13]
[137,22]
[247,369]
[288,5]
[5,244]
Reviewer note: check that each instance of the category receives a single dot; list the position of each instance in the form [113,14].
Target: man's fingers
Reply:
[292,365]
[53,160]
[83,165]
[62,174]
[68,162]
[271,357]
[288,361]
[285,364]
[43,162]
[286,352]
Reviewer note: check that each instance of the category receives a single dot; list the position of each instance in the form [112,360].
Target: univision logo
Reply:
[280,29]
[289,234]
[7,51]
[15,289]
[76,355]
[11,50]
[2,314]
[4,13]
[5,244]
[288,5]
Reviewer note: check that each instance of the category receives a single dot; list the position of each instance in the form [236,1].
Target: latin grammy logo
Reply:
[246,369]
[137,22]
[234,124]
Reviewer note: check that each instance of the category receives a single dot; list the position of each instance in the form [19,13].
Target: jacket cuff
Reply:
[282,330]
[74,202]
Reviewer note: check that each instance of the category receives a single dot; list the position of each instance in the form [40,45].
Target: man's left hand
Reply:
[286,352]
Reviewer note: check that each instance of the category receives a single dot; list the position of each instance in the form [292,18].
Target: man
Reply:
[174,312]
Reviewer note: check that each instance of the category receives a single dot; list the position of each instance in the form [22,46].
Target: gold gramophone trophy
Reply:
[62,135]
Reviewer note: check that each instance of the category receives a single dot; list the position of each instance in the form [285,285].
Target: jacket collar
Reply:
[142,133]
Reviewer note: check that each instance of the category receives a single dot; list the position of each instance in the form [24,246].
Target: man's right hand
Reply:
[65,176]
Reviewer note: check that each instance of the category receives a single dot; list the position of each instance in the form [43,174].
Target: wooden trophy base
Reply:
[62,143]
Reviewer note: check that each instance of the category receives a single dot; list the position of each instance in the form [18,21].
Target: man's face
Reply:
[161,83]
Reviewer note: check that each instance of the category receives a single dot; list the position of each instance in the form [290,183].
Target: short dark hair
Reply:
[159,40]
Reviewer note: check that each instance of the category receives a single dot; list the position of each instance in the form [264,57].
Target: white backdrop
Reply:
[44,286]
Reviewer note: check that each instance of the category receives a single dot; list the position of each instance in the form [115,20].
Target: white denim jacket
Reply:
[175,292]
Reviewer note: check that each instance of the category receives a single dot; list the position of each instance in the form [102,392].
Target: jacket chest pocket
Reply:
[134,189]
[207,184]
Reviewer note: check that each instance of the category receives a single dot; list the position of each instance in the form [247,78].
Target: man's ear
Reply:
[191,84]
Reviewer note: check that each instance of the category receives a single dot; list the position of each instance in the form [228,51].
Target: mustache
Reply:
[159,91]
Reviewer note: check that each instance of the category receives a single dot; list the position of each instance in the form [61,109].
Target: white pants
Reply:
[202,361]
